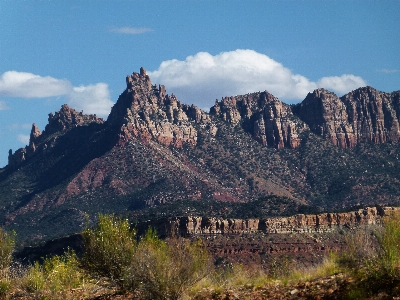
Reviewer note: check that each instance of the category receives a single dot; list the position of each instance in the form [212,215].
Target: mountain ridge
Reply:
[154,156]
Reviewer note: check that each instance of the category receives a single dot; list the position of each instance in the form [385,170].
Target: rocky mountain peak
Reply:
[147,112]
[62,120]
[323,111]
[270,121]
[322,93]
[35,132]
[363,115]
[67,118]
[138,80]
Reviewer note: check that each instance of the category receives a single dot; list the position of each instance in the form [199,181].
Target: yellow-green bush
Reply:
[34,280]
[389,258]
[166,269]
[57,274]
[7,243]
[109,248]
[155,268]
[373,259]
[362,249]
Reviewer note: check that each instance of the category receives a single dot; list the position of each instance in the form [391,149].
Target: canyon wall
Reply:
[325,222]
[363,115]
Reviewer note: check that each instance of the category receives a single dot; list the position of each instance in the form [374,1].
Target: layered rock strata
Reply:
[145,111]
[363,115]
[270,121]
[325,222]
[68,118]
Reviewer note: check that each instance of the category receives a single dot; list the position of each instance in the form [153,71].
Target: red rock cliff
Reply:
[270,121]
[293,224]
[364,115]
[147,112]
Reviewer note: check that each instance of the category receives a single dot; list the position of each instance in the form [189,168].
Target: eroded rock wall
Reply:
[270,121]
[325,222]
[145,111]
[363,115]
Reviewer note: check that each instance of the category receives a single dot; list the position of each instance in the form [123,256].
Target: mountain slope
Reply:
[155,156]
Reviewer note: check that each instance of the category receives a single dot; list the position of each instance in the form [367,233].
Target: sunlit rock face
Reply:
[363,115]
[145,111]
[270,121]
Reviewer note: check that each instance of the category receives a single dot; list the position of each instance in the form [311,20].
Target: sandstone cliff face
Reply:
[68,118]
[364,115]
[145,111]
[270,121]
[325,222]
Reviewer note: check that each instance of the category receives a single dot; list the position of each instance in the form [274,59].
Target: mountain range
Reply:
[251,156]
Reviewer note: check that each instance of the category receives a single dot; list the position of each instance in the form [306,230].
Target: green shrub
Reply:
[374,260]
[158,269]
[63,272]
[360,251]
[390,246]
[166,269]
[57,274]
[34,280]
[5,286]
[7,243]
[109,248]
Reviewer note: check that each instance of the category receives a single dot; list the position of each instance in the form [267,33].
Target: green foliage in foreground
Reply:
[158,269]
[175,268]
[7,243]
[109,248]
[376,268]
[57,274]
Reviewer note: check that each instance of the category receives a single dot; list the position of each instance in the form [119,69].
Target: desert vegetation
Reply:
[119,264]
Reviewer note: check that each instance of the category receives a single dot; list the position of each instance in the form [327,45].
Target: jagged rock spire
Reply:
[145,111]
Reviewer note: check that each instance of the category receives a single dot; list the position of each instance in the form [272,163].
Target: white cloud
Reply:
[3,105]
[202,78]
[93,99]
[341,84]
[28,85]
[388,71]
[131,30]
[23,138]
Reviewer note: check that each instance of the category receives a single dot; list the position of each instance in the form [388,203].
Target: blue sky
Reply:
[79,52]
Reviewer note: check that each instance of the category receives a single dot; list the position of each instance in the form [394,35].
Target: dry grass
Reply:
[328,267]
[178,269]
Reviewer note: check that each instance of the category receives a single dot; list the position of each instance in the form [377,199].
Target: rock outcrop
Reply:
[145,111]
[363,115]
[64,119]
[270,121]
[325,222]
[67,118]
